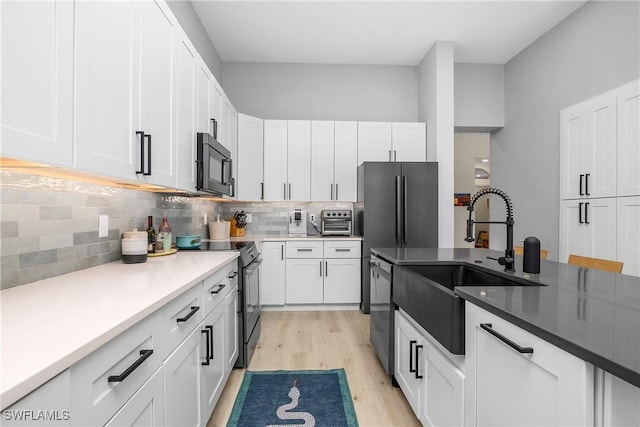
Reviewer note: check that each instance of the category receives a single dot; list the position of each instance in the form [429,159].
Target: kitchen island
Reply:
[591,314]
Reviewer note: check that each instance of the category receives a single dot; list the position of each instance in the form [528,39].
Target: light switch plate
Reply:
[103,225]
[248,218]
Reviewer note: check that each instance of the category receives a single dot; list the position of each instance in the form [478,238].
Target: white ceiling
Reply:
[375,32]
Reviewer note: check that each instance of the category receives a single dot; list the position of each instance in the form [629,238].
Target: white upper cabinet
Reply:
[275,160]
[125,65]
[322,160]
[250,184]
[346,161]
[187,73]
[37,81]
[588,148]
[299,159]
[629,139]
[204,98]
[228,132]
[374,142]
[409,142]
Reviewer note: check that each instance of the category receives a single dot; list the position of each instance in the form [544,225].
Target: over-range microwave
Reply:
[213,166]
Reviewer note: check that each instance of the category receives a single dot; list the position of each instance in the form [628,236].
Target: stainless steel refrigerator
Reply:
[397,208]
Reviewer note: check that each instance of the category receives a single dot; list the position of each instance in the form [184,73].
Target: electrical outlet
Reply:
[103,225]
[312,218]
[204,219]
[248,218]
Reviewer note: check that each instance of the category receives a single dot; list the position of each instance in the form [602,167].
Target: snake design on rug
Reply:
[281,412]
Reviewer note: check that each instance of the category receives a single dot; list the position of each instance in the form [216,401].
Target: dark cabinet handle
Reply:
[418,376]
[580,213]
[144,355]
[148,172]
[218,289]
[586,184]
[586,213]
[305,249]
[337,197]
[215,128]
[281,251]
[411,344]
[326,269]
[232,275]
[262,191]
[210,329]
[285,191]
[581,192]
[487,327]
[289,191]
[206,334]
[343,250]
[188,316]
[320,268]
[141,133]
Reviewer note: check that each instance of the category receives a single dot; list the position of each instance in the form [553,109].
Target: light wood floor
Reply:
[325,340]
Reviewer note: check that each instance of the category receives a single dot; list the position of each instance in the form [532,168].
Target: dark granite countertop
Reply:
[592,314]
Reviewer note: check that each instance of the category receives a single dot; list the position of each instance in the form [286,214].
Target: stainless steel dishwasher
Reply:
[382,312]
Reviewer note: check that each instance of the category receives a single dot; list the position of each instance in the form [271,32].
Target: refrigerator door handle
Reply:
[398,210]
[405,209]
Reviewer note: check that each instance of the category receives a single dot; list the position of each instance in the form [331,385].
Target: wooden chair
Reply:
[519,250]
[596,263]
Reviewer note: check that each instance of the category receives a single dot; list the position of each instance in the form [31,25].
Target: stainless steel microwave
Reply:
[214,164]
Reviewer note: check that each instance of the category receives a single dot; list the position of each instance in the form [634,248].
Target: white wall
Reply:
[322,92]
[479,97]
[595,49]
[190,23]
[435,107]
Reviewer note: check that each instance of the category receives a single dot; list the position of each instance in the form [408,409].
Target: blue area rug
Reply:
[283,398]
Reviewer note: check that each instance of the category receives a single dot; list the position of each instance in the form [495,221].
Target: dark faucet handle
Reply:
[503,260]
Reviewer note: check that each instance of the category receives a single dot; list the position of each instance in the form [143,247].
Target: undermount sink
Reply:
[425,292]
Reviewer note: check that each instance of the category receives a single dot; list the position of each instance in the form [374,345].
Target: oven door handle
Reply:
[253,266]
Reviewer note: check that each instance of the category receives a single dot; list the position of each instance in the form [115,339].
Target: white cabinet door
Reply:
[187,70]
[628,240]
[106,89]
[231,329]
[408,349]
[299,160]
[588,228]
[157,91]
[374,142]
[250,162]
[217,97]
[342,281]
[273,273]
[346,161]
[204,98]
[621,402]
[304,281]
[546,387]
[212,361]
[442,394]
[233,140]
[409,142]
[146,407]
[37,81]
[322,161]
[182,383]
[588,148]
[54,396]
[628,137]
[275,160]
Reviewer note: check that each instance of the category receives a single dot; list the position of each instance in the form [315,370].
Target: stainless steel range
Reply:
[248,295]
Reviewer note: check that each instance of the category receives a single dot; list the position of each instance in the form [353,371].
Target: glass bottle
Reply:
[151,236]
[165,229]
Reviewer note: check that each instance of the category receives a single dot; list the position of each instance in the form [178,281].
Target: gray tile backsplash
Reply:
[49,226]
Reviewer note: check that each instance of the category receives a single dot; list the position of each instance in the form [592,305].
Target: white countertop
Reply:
[258,238]
[51,324]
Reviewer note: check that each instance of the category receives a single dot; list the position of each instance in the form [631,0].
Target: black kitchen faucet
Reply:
[507,259]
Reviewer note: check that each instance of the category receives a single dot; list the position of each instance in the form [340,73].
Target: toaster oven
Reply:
[336,222]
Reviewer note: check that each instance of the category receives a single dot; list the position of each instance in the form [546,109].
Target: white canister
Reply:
[134,246]
[219,230]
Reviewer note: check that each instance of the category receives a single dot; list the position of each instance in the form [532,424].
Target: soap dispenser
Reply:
[531,262]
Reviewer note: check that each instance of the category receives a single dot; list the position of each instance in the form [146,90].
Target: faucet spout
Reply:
[508,259]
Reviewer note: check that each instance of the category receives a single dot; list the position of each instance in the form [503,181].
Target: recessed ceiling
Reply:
[375,32]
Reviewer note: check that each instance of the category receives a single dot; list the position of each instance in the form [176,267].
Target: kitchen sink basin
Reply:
[426,293]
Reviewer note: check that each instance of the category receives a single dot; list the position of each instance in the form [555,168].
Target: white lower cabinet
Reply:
[515,378]
[146,407]
[231,324]
[182,383]
[212,361]
[621,402]
[342,281]
[304,281]
[273,272]
[432,384]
